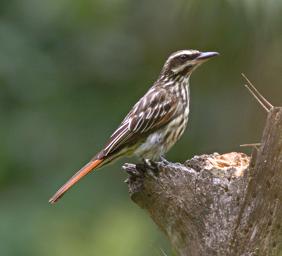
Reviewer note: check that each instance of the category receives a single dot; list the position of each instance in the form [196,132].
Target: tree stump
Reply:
[228,204]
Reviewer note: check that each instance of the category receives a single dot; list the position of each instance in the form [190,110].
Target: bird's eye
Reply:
[183,57]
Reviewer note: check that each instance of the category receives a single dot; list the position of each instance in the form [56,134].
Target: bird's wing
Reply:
[152,111]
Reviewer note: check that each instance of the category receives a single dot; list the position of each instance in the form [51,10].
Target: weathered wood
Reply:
[217,204]
[259,227]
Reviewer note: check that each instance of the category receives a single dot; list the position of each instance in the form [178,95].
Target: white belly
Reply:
[159,142]
[153,146]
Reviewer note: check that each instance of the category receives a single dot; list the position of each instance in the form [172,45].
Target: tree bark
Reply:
[215,204]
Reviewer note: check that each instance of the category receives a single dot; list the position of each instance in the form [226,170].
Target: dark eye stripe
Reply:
[188,57]
[183,57]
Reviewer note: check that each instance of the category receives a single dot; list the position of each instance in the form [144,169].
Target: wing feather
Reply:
[151,112]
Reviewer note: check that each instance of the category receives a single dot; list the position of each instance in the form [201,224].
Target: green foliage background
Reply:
[69,72]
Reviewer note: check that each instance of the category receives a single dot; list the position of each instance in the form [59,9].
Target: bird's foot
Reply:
[133,170]
[151,167]
[136,171]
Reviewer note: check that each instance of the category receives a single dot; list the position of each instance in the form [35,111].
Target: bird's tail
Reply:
[93,164]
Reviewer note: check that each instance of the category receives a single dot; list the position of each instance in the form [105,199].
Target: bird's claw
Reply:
[138,170]
[132,169]
[152,166]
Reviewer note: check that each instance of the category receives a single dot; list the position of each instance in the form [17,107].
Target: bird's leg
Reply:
[133,170]
[151,165]
[136,171]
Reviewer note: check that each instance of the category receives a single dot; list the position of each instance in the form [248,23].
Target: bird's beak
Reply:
[206,55]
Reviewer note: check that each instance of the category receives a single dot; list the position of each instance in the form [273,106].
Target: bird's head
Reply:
[184,62]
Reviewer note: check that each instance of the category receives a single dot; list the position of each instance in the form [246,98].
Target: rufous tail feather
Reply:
[75,178]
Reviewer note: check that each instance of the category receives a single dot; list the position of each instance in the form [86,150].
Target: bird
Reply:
[156,121]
